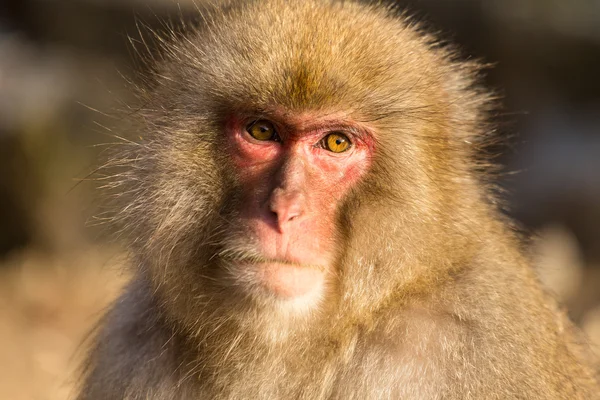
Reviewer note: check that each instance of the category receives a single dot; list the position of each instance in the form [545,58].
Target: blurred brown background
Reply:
[61,59]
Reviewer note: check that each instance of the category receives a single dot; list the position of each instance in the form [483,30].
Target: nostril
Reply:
[287,214]
[286,206]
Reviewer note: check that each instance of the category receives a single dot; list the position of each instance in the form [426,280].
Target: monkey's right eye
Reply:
[262,130]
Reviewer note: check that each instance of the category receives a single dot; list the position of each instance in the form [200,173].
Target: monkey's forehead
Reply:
[309,55]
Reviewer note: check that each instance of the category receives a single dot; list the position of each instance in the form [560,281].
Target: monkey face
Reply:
[293,172]
[277,168]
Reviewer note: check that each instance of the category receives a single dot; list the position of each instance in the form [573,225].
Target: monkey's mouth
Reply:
[279,277]
[289,280]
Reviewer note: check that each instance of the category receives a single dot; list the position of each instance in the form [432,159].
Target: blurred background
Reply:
[63,69]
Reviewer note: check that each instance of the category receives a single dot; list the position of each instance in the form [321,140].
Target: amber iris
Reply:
[262,130]
[337,142]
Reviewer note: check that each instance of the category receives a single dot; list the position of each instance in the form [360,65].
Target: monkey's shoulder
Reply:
[135,354]
[489,321]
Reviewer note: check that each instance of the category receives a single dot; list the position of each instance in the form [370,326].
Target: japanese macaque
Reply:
[309,219]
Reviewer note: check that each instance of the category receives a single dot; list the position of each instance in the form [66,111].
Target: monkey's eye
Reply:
[262,130]
[336,142]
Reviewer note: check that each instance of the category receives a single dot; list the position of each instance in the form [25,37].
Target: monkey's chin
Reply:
[287,283]
[290,281]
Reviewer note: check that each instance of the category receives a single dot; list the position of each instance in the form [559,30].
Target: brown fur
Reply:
[432,298]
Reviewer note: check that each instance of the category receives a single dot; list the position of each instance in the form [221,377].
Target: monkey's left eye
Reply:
[262,130]
[336,142]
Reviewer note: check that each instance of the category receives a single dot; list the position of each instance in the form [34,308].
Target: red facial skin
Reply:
[293,188]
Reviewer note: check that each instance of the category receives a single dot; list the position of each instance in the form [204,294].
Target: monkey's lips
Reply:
[287,280]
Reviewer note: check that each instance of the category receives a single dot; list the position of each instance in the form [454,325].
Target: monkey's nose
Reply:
[287,206]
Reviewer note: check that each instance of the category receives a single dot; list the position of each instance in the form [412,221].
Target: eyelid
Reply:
[351,132]
[356,134]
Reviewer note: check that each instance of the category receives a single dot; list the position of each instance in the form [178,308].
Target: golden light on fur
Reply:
[359,257]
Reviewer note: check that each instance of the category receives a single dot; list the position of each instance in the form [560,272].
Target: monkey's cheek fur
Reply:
[287,281]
